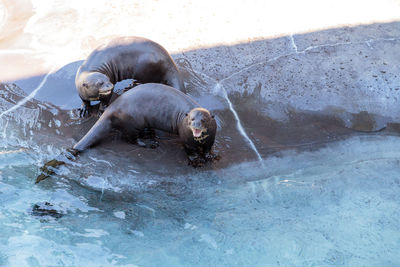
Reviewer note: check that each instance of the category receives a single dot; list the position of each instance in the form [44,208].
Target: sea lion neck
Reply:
[182,122]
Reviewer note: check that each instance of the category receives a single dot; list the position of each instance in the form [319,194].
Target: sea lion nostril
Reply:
[196,124]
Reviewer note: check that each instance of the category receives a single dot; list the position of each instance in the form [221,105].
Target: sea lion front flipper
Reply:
[195,160]
[211,156]
[85,109]
[48,168]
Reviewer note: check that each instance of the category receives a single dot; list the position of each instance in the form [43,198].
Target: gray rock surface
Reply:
[272,86]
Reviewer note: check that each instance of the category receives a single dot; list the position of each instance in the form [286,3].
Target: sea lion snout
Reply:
[106,88]
[198,120]
[95,85]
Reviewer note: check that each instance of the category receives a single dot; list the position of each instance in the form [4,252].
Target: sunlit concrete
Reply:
[53,33]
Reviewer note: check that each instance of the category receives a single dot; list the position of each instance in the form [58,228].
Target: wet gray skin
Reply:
[160,107]
[124,58]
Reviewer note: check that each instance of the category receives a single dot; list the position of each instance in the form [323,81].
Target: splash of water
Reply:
[219,88]
[102,189]
[29,97]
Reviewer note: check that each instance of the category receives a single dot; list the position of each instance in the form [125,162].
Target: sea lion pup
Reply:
[124,58]
[154,106]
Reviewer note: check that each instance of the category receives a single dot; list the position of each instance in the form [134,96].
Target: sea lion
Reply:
[124,58]
[156,106]
[150,106]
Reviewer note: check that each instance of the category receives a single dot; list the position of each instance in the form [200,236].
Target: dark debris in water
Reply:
[45,209]
[49,167]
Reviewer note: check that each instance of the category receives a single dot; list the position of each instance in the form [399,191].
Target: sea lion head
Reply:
[200,121]
[94,86]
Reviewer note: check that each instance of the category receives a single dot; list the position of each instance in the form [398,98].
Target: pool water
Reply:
[337,205]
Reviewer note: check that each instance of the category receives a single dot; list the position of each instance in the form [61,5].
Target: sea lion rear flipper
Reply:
[99,129]
[147,143]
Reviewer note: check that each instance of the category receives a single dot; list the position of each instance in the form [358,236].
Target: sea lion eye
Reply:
[101,83]
[85,85]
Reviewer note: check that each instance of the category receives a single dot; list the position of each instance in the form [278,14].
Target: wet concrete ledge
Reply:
[293,92]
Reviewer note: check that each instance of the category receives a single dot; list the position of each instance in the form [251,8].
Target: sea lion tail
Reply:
[95,134]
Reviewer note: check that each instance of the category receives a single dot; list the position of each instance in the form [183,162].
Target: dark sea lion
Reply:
[124,58]
[151,106]
[156,106]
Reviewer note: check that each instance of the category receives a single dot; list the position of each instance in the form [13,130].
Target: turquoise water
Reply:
[338,205]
